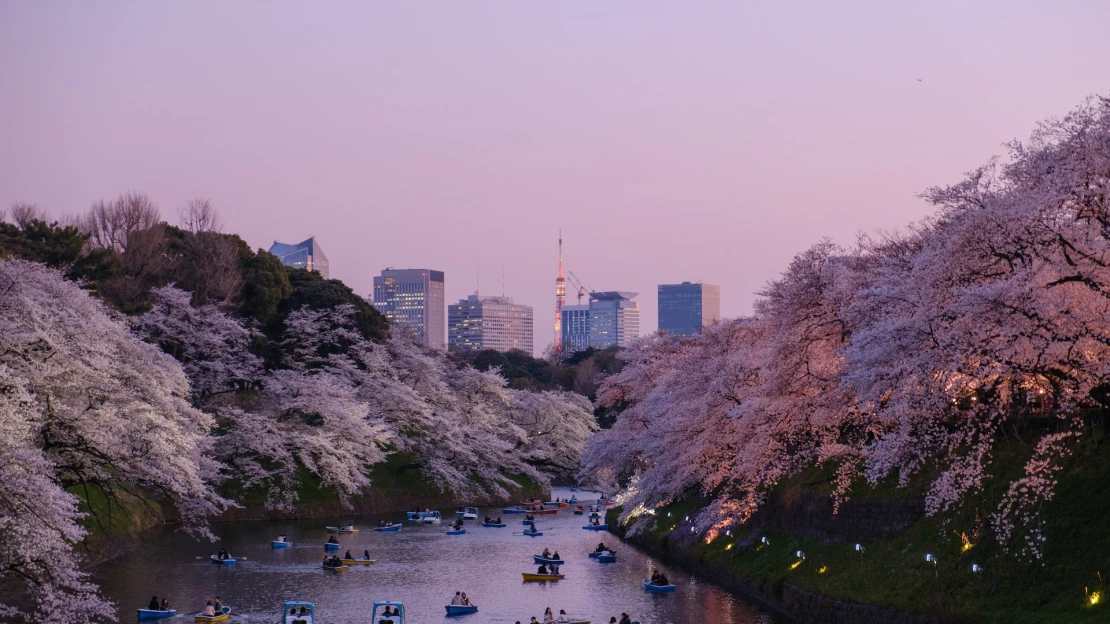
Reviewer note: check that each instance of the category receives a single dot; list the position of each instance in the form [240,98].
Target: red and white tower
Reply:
[560,296]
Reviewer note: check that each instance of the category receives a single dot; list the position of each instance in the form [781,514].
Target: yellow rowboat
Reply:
[341,530]
[341,568]
[351,562]
[542,577]
[220,617]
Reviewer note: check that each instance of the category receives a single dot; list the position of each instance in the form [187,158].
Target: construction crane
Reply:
[577,283]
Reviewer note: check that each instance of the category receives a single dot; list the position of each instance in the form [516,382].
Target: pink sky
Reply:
[670,141]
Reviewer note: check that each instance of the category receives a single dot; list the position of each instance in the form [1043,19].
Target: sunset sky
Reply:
[671,141]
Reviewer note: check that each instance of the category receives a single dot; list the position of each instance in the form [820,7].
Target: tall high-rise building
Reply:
[614,319]
[575,328]
[303,255]
[414,298]
[684,309]
[482,322]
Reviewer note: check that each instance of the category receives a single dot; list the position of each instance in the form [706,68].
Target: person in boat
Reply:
[487,520]
[165,604]
[556,555]
[332,540]
[562,616]
[218,605]
[534,620]
[663,579]
[625,619]
[546,554]
[542,569]
[554,568]
[498,520]
[654,578]
[600,547]
[153,606]
[366,555]
[548,616]
[597,522]
[209,609]
[456,601]
[348,555]
[465,600]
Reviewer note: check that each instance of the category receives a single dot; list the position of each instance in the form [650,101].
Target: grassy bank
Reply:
[892,571]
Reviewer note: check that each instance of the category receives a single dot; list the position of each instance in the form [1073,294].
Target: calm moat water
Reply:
[420,566]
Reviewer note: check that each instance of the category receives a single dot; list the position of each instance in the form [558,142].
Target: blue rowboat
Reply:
[595,555]
[542,559]
[534,533]
[461,609]
[392,527]
[459,532]
[610,558]
[508,510]
[228,561]
[573,489]
[330,546]
[657,589]
[156,614]
[597,527]
[495,525]
[578,512]
[278,544]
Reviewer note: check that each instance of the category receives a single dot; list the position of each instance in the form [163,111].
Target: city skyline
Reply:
[716,157]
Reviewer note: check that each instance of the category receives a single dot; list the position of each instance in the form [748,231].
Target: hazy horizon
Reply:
[669,142]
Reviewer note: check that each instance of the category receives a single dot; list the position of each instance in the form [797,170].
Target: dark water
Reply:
[419,566]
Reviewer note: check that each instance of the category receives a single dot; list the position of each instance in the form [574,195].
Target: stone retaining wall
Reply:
[811,516]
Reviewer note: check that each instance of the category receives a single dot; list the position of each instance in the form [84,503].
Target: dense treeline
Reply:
[909,355]
[174,363]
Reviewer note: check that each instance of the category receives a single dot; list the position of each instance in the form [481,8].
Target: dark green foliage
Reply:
[265,285]
[317,293]
[59,247]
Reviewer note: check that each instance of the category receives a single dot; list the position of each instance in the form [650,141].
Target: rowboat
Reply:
[542,577]
[278,544]
[596,527]
[564,504]
[228,561]
[156,614]
[573,489]
[351,562]
[508,510]
[461,609]
[298,612]
[533,533]
[339,529]
[578,512]
[392,527]
[610,557]
[430,516]
[338,568]
[658,589]
[225,613]
[330,546]
[456,532]
[495,525]
[552,503]
[595,555]
[468,513]
[542,559]
[545,512]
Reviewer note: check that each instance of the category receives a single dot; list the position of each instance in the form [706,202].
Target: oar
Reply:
[210,556]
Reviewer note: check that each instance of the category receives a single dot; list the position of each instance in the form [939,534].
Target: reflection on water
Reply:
[419,566]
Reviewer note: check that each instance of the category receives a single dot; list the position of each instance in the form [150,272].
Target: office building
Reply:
[483,322]
[303,255]
[614,319]
[684,309]
[413,298]
[575,328]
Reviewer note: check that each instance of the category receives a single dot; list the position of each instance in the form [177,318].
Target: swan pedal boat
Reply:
[339,568]
[596,527]
[278,544]
[392,527]
[461,609]
[156,614]
[228,561]
[336,529]
[543,577]
[496,525]
[351,562]
[458,532]
[542,559]
[657,589]
[224,614]
[468,513]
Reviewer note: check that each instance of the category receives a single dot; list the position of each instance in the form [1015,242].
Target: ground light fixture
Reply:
[800,554]
[765,541]
[860,549]
[933,560]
